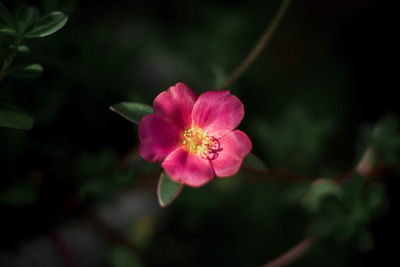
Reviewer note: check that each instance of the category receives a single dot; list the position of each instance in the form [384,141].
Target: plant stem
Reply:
[291,255]
[7,63]
[255,52]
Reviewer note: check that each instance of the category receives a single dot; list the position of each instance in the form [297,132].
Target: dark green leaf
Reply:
[22,49]
[26,17]
[123,257]
[19,195]
[47,25]
[27,71]
[5,15]
[131,111]
[254,163]
[8,31]
[12,117]
[375,198]
[167,190]
[318,191]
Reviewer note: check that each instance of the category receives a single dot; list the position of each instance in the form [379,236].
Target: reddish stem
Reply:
[292,254]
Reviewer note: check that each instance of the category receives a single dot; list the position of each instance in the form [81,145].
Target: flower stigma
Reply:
[197,141]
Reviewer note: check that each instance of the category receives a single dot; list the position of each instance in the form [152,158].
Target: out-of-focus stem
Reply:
[7,63]
[255,52]
[291,255]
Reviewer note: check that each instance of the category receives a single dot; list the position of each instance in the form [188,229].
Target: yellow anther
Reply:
[196,141]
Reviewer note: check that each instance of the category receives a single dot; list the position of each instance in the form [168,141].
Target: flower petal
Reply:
[217,112]
[176,103]
[235,145]
[188,168]
[158,137]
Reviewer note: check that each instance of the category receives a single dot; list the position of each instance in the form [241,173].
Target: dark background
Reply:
[328,72]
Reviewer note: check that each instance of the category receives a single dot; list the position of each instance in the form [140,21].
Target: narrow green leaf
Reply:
[123,257]
[132,111]
[22,49]
[19,195]
[11,117]
[254,163]
[5,15]
[27,71]
[167,190]
[8,31]
[26,17]
[47,25]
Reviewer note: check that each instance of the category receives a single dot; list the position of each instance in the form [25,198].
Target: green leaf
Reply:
[21,49]
[26,17]
[123,257]
[132,111]
[167,190]
[254,163]
[8,31]
[19,195]
[12,117]
[319,190]
[5,15]
[47,25]
[27,71]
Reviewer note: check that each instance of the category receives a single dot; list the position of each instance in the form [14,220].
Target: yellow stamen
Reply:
[196,141]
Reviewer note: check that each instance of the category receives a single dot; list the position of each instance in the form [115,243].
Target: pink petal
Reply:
[217,112]
[176,104]
[158,137]
[235,145]
[188,168]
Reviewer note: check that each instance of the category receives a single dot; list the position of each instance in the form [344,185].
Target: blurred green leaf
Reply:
[375,198]
[123,257]
[12,117]
[386,140]
[27,71]
[353,188]
[167,190]
[26,17]
[8,31]
[19,195]
[346,216]
[254,163]
[320,189]
[47,25]
[131,111]
[22,49]
[5,15]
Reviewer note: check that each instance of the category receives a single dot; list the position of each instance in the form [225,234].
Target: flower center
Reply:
[197,141]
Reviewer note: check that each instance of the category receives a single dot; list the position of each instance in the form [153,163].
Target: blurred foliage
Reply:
[26,23]
[344,212]
[385,141]
[123,257]
[294,141]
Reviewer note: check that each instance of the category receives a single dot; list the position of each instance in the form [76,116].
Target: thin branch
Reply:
[291,255]
[261,44]
[7,63]
[63,250]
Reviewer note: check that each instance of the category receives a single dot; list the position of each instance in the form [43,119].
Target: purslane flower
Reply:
[194,137]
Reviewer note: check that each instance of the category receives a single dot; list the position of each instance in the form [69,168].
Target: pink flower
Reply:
[194,137]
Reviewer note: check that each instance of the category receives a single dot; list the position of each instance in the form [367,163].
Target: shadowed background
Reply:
[324,77]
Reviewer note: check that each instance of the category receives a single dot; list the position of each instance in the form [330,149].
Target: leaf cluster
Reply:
[344,212]
[26,23]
